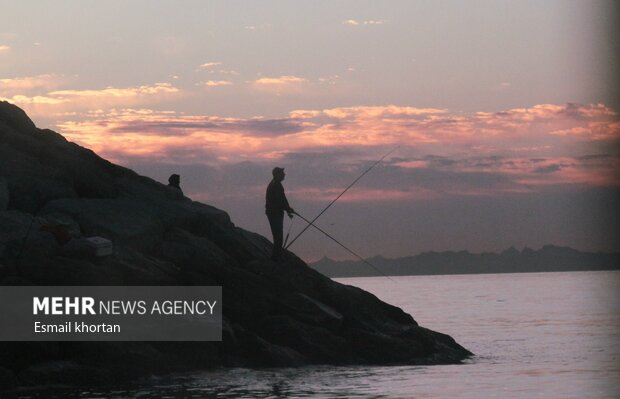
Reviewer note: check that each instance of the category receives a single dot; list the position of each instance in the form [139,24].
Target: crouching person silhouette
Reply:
[275,206]
[174,181]
[174,187]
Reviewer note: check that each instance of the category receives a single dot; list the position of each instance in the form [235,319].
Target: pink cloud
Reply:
[529,147]
[361,194]
[413,164]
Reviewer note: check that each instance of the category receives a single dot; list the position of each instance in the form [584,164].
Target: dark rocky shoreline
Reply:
[275,314]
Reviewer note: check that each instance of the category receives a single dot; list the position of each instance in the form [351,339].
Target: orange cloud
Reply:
[158,88]
[27,84]
[215,83]
[62,101]
[26,101]
[286,84]
[281,80]
[304,114]
[209,65]
[4,48]
[355,22]
[222,72]
[298,86]
[368,112]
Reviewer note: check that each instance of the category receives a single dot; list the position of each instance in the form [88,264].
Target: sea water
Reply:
[535,335]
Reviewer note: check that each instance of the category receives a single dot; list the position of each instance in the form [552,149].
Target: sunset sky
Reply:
[506,112]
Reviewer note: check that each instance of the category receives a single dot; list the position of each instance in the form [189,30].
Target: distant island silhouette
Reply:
[549,258]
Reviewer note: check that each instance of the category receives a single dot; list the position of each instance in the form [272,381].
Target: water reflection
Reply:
[306,382]
[560,340]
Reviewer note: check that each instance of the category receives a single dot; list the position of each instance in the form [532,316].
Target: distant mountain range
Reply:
[549,258]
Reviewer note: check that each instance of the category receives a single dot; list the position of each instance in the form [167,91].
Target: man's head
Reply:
[174,180]
[278,173]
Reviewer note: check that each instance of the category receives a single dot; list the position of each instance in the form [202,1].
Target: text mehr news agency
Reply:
[88,306]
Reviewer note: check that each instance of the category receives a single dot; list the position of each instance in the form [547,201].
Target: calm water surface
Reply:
[535,335]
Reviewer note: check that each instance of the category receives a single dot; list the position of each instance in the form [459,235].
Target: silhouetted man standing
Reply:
[275,205]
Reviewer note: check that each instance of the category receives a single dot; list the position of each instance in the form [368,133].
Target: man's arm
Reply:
[286,205]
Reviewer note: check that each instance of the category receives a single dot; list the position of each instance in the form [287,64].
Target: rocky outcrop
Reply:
[4,195]
[275,314]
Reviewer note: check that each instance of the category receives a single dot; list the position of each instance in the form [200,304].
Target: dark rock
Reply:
[253,350]
[39,245]
[127,221]
[275,314]
[7,379]
[4,270]
[59,270]
[13,279]
[316,312]
[14,117]
[14,225]
[63,372]
[77,248]
[21,236]
[30,353]
[4,195]
[64,222]
[317,344]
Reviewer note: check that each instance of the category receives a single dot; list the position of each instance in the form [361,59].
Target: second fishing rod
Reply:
[310,223]
[342,245]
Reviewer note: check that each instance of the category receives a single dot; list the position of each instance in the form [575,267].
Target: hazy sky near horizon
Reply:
[506,112]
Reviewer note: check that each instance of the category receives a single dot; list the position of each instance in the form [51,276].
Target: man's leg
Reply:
[276,222]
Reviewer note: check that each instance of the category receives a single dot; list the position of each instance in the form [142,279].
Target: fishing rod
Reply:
[288,233]
[343,246]
[340,195]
